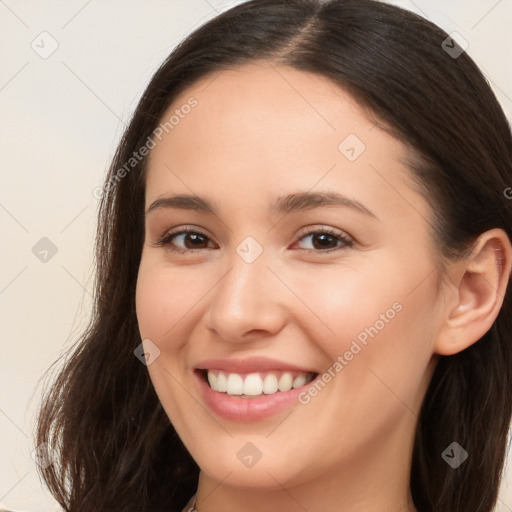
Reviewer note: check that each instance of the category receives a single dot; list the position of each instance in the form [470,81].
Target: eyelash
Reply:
[345,241]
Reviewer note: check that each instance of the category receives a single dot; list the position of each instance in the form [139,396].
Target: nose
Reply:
[247,303]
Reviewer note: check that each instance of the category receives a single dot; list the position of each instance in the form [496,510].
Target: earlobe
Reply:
[479,283]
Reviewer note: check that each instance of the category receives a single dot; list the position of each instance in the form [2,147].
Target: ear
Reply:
[474,290]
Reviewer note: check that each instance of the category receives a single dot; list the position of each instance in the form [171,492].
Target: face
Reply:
[284,242]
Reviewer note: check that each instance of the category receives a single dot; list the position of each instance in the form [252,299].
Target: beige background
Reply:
[61,117]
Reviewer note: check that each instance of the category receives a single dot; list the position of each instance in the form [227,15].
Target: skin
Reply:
[258,132]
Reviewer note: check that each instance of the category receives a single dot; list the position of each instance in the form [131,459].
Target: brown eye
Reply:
[197,241]
[185,239]
[325,240]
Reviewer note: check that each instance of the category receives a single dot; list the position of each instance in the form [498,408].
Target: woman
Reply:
[303,262]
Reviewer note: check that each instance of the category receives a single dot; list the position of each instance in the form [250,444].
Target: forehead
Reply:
[264,126]
[276,97]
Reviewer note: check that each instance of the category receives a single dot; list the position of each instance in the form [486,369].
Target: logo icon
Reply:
[249,455]
[44,250]
[43,456]
[147,352]
[249,249]
[351,147]
[454,45]
[45,45]
[454,455]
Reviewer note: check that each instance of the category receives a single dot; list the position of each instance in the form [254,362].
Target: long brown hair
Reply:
[115,447]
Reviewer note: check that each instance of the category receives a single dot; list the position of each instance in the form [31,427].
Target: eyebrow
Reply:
[283,204]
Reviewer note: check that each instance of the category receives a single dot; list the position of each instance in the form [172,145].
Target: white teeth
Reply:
[299,381]
[253,384]
[212,379]
[222,382]
[285,382]
[270,384]
[235,384]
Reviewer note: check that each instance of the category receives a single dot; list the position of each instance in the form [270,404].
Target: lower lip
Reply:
[237,408]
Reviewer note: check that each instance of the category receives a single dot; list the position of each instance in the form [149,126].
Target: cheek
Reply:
[348,303]
[163,298]
[376,319]
[378,359]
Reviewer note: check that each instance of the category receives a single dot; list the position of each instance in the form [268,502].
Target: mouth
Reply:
[255,384]
[252,388]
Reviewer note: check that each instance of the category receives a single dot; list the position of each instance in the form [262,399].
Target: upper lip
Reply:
[250,365]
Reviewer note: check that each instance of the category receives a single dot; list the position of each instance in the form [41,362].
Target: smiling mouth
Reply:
[256,384]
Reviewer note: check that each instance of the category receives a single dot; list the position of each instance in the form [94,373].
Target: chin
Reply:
[238,470]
